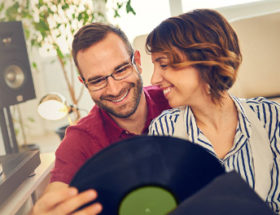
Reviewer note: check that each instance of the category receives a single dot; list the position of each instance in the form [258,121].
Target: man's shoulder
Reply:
[92,122]
[155,94]
[89,130]
[93,114]
[153,90]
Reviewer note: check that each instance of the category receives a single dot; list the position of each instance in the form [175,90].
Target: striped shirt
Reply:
[239,158]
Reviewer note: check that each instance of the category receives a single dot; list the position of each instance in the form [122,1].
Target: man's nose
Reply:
[113,86]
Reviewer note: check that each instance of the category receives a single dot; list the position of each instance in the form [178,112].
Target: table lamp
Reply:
[53,106]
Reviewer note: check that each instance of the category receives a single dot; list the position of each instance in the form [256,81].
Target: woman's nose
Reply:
[156,77]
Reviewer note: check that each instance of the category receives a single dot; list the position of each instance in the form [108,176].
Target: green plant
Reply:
[52,24]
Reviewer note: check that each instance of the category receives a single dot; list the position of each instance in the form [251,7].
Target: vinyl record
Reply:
[147,174]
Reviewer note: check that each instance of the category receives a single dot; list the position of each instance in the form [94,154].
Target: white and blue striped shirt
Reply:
[239,158]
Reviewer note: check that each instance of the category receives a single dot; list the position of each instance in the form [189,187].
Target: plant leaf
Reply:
[34,65]
[129,9]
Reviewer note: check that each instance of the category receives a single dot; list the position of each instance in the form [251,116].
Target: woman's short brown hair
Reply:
[207,40]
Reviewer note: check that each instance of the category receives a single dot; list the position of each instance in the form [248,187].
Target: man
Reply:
[110,70]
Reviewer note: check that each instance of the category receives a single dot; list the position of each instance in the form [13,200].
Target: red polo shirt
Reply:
[96,131]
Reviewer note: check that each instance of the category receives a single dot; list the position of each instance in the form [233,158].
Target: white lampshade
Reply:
[53,107]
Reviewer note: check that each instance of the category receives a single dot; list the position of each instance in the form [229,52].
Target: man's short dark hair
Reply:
[94,33]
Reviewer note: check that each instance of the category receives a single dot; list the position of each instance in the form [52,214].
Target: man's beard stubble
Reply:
[138,87]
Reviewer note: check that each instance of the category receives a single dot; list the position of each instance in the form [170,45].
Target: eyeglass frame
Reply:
[132,63]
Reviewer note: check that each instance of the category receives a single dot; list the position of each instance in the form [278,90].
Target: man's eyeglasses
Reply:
[119,74]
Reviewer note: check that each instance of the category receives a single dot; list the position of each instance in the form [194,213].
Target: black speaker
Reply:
[16,84]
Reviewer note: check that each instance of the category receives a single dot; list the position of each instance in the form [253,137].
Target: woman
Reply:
[196,57]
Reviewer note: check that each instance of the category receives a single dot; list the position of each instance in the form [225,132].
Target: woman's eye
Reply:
[163,66]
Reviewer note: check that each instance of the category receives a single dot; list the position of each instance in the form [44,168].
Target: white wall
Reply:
[259,73]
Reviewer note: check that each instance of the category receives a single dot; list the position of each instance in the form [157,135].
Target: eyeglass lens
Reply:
[120,74]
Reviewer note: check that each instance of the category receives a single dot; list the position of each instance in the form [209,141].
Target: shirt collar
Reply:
[193,131]
[152,112]
[244,123]
[111,127]
[191,126]
[115,131]
[239,107]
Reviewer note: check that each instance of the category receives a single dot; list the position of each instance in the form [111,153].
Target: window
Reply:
[149,13]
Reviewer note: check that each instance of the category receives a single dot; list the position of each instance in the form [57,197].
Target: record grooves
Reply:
[132,174]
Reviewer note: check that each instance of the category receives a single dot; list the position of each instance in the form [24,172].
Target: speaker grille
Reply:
[16,84]
[14,76]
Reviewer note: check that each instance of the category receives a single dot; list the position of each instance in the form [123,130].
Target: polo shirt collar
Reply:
[115,131]
[152,111]
[111,127]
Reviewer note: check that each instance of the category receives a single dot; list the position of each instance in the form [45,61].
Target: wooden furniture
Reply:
[31,187]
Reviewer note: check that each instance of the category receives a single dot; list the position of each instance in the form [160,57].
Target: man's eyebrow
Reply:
[121,65]
[115,69]
[94,78]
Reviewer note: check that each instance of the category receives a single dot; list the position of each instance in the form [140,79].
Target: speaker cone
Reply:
[14,76]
